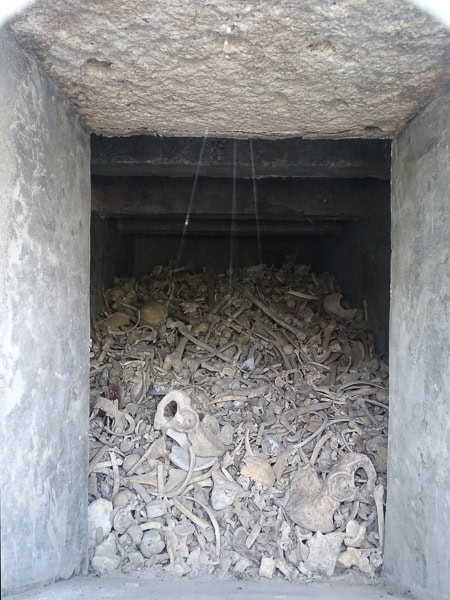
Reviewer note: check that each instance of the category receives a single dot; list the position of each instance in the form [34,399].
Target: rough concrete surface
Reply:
[352,68]
[120,588]
[418,507]
[44,361]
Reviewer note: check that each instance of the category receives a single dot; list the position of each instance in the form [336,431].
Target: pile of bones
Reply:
[238,428]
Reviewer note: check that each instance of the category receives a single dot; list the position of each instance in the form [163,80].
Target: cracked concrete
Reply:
[353,68]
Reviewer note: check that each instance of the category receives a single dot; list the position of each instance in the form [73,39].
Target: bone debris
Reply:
[237,428]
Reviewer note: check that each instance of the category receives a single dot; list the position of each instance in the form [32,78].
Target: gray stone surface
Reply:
[120,588]
[418,507]
[341,69]
[44,269]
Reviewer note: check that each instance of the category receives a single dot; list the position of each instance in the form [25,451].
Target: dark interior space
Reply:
[211,203]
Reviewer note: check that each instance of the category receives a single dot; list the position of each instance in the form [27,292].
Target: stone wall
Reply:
[418,509]
[44,282]
[360,259]
[111,256]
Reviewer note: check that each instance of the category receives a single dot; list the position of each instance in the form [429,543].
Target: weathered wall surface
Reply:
[44,282]
[418,509]
[267,69]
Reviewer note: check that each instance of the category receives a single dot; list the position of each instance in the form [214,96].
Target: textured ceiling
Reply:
[311,68]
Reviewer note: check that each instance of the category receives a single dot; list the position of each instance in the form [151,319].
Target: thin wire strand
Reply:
[233,214]
[191,199]
[255,199]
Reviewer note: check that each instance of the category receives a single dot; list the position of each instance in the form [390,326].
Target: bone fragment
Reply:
[123,520]
[288,571]
[214,522]
[224,492]
[355,534]
[99,516]
[323,553]
[242,565]
[144,457]
[194,518]
[341,480]
[251,539]
[174,359]
[270,314]
[116,476]
[152,543]
[302,295]
[201,344]
[111,409]
[258,469]
[156,509]
[154,313]
[317,448]
[122,498]
[332,306]
[310,505]
[114,321]
[355,557]
[182,486]
[267,567]
[379,500]
[106,559]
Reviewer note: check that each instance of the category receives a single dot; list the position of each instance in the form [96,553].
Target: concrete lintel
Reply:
[296,157]
[276,198]
[117,588]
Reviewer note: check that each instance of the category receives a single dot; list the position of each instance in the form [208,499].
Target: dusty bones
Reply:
[236,430]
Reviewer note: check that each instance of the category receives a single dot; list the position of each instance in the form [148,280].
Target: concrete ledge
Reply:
[296,157]
[131,588]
